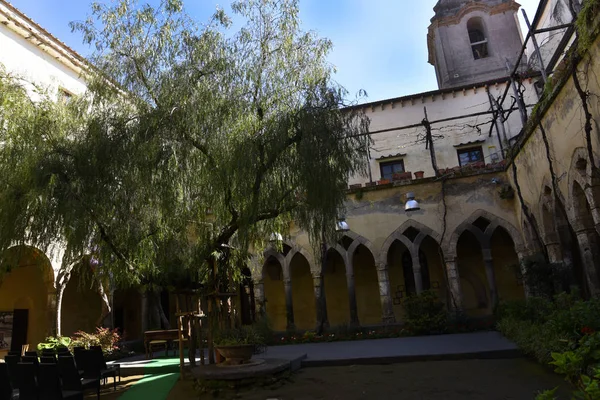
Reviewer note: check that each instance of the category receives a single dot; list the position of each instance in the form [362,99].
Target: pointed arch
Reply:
[271,252]
[296,249]
[413,247]
[357,240]
[449,245]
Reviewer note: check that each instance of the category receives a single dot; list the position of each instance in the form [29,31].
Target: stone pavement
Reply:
[476,345]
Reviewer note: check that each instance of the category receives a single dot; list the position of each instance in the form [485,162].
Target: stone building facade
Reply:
[471,233]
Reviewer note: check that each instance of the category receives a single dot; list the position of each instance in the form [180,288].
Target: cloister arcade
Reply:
[473,269]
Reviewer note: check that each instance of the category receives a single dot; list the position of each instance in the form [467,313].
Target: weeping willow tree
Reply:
[194,143]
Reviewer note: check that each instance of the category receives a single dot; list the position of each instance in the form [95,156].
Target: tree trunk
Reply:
[106,306]
[60,291]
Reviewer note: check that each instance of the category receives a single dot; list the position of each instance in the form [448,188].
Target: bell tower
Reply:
[469,41]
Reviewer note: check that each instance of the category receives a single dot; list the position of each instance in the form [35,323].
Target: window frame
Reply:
[468,150]
[391,163]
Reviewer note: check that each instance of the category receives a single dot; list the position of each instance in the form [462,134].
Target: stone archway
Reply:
[302,292]
[412,258]
[28,281]
[336,288]
[274,291]
[479,229]
[367,285]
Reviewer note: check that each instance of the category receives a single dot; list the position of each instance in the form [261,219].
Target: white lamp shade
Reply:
[275,237]
[412,205]
[342,226]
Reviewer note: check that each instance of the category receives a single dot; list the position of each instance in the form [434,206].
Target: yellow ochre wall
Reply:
[26,287]
[81,308]
[368,301]
[303,297]
[336,291]
[275,295]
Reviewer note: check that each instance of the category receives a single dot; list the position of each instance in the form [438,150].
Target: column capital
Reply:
[382,266]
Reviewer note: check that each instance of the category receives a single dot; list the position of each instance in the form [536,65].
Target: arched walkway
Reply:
[27,293]
[302,292]
[367,286]
[472,247]
[274,293]
[336,289]
[81,305]
[412,258]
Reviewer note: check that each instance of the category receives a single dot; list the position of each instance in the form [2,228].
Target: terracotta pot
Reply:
[419,174]
[383,181]
[237,354]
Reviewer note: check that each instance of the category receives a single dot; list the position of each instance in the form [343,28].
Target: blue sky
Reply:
[379,45]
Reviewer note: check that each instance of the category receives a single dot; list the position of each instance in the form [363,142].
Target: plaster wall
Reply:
[21,57]
[409,144]
[563,124]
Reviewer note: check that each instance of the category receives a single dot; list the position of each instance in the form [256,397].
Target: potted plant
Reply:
[237,345]
[383,182]
[419,174]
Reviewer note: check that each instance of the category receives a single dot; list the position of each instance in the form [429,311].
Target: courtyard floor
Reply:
[505,379]
[482,365]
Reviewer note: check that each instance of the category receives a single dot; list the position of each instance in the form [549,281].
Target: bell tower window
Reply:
[477,38]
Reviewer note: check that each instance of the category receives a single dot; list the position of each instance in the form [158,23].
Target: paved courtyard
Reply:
[507,379]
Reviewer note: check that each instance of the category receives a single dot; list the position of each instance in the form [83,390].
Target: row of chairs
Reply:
[82,370]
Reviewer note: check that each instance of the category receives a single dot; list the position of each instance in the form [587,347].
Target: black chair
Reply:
[48,359]
[30,359]
[13,369]
[62,350]
[6,389]
[28,388]
[71,379]
[31,353]
[106,371]
[48,353]
[92,367]
[50,387]
[14,353]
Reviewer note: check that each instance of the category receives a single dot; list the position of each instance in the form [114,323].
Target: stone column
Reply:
[289,304]
[456,298]
[589,251]
[259,298]
[526,288]
[351,292]
[387,302]
[320,302]
[491,276]
[416,267]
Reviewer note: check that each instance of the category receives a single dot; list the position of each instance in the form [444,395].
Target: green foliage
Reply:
[192,143]
[541,326]
[246,334]
[580,366]
[425,313]
[587,24]
[106,338]
[264,330]
[53,343]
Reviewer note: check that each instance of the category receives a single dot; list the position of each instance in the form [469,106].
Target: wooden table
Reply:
[168,335]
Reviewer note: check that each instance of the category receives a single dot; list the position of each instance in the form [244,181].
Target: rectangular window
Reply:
[388,169]
[64,96]
[470,155]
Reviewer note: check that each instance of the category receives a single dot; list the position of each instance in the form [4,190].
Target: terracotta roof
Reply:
[47,41]
[391,156]
[471,142]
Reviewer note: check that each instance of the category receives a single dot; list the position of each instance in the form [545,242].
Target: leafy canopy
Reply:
[191,142]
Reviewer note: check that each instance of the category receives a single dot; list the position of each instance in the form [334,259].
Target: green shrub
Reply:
[264,329]
[237,336]
[106,338]
[425,314]
[53,343]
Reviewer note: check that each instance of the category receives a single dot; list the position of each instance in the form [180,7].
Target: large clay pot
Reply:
[237,354]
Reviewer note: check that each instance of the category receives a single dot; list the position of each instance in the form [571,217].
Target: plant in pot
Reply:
[237,345]
[53,343]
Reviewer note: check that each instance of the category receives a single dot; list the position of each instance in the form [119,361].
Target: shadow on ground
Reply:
[466,379]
